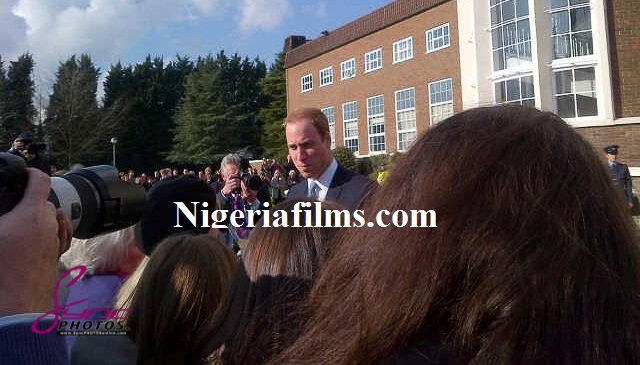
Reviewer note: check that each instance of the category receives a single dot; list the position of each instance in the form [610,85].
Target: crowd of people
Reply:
[534,260]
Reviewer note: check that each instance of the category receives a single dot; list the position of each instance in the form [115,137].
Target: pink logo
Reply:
[62,312]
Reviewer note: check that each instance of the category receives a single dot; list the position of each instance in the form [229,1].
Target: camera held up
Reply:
[94,199]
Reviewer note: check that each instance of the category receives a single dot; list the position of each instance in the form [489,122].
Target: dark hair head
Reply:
[532,259]
[262,314]
[185,280]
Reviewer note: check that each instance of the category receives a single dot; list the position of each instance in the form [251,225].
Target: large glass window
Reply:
[517,90]
[438,38]
[405,118]
[510,33]
[375,121]
[330,114]
[403,50]
[440,100]
[307,82]
[326,76]
[350,123]
[575,93]
[373,60]
[348,69]
[571,34]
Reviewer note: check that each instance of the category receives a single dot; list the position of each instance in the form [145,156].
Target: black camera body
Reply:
[94,199]
[243,175]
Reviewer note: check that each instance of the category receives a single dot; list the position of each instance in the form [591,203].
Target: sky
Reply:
[128,30]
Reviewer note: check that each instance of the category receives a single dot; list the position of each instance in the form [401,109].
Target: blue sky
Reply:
[127,30]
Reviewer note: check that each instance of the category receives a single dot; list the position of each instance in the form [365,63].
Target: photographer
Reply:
[33,235]
[20,143]
[239,190]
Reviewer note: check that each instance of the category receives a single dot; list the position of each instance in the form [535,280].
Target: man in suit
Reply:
[619,173]
[309,143]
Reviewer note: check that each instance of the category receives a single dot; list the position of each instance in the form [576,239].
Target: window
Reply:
[517,90]
[575,93]
[405,118]
[326,76]
[440,100]
[510,34]
[350,122]
[373,60]
[348,69]
[571,28]
[307,82]
[375,121]
[438,38]
[403,50]
[329,113]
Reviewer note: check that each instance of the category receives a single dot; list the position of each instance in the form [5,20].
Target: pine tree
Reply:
[274,112]
[18,111]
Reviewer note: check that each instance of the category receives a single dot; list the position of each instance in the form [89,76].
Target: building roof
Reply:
[365,25]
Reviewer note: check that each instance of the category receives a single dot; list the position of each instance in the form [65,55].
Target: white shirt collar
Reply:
[324,181]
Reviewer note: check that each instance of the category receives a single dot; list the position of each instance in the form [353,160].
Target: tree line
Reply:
[183,112]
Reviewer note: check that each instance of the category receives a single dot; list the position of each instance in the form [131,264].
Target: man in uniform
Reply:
[619,173]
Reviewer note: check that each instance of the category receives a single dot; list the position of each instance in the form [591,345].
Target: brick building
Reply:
[386,77]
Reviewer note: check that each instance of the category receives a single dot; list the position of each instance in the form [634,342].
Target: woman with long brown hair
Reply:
[531,262]
[183,284]
[262,315]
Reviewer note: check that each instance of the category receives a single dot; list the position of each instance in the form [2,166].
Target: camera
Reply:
[94,199]
[243,175]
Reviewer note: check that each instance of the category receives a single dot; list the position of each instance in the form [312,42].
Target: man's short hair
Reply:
[315,115]
[230,159]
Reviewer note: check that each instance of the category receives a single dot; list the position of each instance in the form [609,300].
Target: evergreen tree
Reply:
[3,96]
[18,111]
[218,113]
[272,115]
[74,127]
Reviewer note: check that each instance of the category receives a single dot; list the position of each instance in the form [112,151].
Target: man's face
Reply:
[311,152]
[611,158]
[229,171]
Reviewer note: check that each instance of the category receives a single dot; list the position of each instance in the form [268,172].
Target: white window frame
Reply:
[403,50]
[406,131]
[571,33]
[574,93]
[349,120]
[528,100]
[445,37]
[375,123]
[372,63]
[348,69]
[306,83]
[330,113]
[326,76]
[446,102]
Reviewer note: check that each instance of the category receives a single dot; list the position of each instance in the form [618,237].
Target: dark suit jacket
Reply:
[347,188]
[621,177]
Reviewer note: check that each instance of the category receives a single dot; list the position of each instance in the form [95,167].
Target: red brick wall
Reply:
[416,72]
[627,136]
[624,36]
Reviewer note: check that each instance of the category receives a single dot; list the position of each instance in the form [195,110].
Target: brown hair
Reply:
[532,260]
[183,284]
[314,115]
[279,265]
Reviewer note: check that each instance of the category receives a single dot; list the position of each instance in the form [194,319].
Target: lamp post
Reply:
[114,140]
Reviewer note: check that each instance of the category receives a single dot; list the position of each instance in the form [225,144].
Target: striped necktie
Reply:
[314,190]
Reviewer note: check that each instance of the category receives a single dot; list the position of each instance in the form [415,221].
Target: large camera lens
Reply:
[96,201]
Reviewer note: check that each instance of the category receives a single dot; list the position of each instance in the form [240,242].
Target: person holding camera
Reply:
[33,236]
[20,143]
[230,196]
